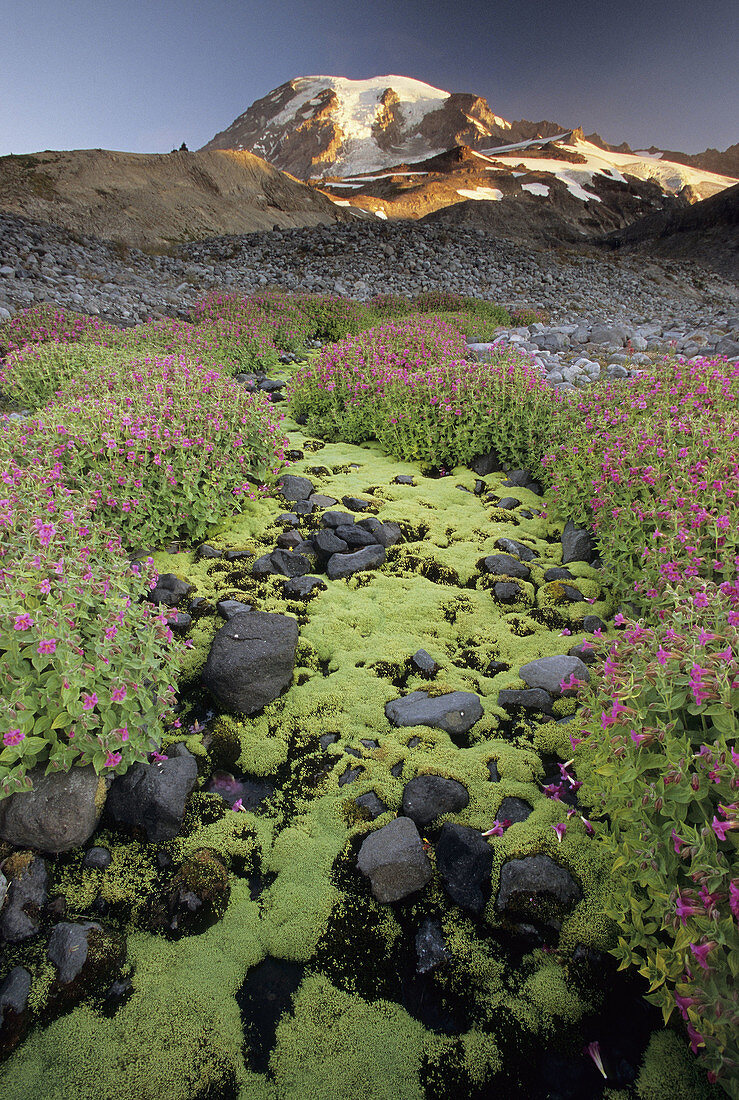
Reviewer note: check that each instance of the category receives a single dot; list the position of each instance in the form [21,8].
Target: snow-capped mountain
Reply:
[394,147]
[314,126]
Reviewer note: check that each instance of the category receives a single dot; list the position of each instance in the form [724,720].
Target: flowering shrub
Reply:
[162,447]
[45,323]
[408,385]
[431,301]
[390,305]
[82,660]
[657,753]
[32,375]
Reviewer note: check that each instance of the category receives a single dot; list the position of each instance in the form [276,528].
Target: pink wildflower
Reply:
[593,1050]
[46,645]
[113,759]
[13,737]
[23,622]
[560,829]
[118,694]
[89,701]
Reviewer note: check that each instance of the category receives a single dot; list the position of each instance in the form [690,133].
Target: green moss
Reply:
[545,1003]
[336,1045]
[668,1070]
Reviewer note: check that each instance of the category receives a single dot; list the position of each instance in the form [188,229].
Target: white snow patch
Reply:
[536,188]
[343,185]
[381,214]
[489,193]
[340,202]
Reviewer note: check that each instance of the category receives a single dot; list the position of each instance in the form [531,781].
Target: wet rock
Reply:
[507,592]
[97,859]
[304,507]
[455,712]
[431,949]
[529,698]
[3,889]
[84,955]
[508,503]
[251,661]
[536,888]
[584,652]
[572,594]
[27,894]
[61,812]
[464,860]
[14,991]
[512,546]
[150,799]
[514,810]
[493,771]
[228,608]
[591,623]
[506,566]
[198,896]
[242,789]
[548,673]
[429,796]
[394,861]
[577,544]
[293,488]
[404,479]
[424,662]
[517,479]
[327,739]
[344,565]
[302,588]
[371,803]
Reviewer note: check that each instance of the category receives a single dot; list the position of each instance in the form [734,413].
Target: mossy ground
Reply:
[361,1024]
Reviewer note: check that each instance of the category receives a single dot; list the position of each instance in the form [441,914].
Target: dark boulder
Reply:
[28,892]
[14,991]
[293,488]
[61,812]
[251,661]
[528,698]
[503,565]
[149,799]
[464,860]
[302,588]
[430,796]
[514,810]
[577,544]
[373,805]
[549,672]
[431,948]
[512,546]
[344,565]
[455,712]
[394,860]
[536,888]
[487,463]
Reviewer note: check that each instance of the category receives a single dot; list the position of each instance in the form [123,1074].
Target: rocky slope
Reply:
[706,233]
[150,200]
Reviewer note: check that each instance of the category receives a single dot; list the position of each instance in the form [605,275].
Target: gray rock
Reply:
[287,563]
[455,712]
[301,588]
[169,590]
[293,488]
[507,591]
[289,540]
[528,698]
[577,544]
[558,574]
[327,542]
[3,889]
[430,796]
[68,948]
[548,672]
[27,894]
[251,661]
[344,565]
[227,609]
[591,623]
[514,810]
[337,519]
[431,948]
[512,546]
[150,799]
[385,534]
[14,990]
[320,500]
[97,859]
[394,861]
[506,566]
[486,463]
[356,504]
[616,335]
[355,536]
[464,860]
[206,551]
[508,503]
[536,888]
[371,803]
[61,812]
[423,662]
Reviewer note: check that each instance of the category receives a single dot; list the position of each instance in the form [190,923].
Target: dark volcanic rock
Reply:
[150,798]
[301,588]
[506,566]
[556,573]
[97,859]
[549,672]
[431,949]
[514,810]
[386,534]
[228,608]
[337,519]
[328,542]
[14,991]
[507,591]
[528,698]
[394,861]
[577,544]
[251,661]
[344,565]
[293,488]
[371,803]
[512,546]
[429,796]
[455,712]
[464,860]
[536,888]
[424,662]
[61,811]
[356,536]
[27,894]
[487,463]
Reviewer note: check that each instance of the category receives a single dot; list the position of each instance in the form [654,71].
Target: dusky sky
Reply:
[145,75]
